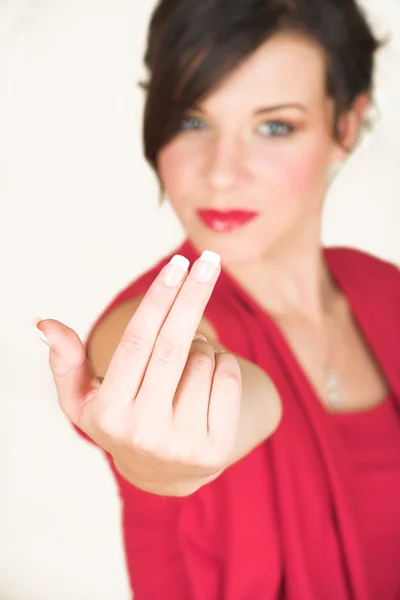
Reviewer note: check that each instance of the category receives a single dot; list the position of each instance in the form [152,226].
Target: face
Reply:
[247,171]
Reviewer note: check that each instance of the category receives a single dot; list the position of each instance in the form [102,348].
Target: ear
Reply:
[350,124]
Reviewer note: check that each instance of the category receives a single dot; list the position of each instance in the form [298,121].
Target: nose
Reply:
[226,164]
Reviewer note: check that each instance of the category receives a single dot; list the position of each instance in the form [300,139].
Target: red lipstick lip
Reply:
[224,221]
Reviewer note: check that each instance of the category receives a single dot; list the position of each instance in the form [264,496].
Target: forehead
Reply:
[285,69]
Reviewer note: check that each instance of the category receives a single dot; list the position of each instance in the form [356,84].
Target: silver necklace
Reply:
[333,395]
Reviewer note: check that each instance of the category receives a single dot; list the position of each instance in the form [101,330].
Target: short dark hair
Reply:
[194,44]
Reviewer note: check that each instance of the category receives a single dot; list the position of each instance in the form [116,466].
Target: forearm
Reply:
[260,412]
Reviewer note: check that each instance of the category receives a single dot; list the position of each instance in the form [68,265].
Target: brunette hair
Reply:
[194,44]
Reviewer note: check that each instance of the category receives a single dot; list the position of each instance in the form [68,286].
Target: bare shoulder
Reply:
[107,334]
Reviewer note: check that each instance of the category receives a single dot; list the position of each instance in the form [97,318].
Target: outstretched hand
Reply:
[167,410]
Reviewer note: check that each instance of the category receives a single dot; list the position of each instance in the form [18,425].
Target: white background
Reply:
[80,219]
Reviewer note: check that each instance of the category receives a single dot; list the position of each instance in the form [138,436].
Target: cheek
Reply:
[294,169]
[178,165]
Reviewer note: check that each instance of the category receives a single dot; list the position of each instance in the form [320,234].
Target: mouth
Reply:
[226,221]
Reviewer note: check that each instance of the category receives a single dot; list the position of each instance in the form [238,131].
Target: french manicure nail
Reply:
[207,266]
[175,271]
[42,336]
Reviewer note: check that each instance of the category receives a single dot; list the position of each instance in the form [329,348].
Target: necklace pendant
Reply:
[332,388]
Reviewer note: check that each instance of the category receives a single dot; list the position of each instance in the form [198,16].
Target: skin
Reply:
[171,412]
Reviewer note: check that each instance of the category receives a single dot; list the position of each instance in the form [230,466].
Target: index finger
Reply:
[128,364]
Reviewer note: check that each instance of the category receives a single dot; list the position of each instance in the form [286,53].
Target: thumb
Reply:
[74,378]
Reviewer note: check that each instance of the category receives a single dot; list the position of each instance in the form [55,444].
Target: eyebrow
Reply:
[280,107]
[265,109]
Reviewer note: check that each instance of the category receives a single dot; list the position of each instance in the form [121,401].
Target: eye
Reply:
[191,124]
[275,129]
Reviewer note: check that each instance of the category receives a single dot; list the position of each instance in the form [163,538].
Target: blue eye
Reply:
[191,124]
[275,129]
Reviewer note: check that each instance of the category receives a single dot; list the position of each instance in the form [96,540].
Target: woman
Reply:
[251,105]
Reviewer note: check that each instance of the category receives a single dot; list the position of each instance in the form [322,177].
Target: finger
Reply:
[128,364]
[224,405]
[171,349]
[73,375]
[193,392]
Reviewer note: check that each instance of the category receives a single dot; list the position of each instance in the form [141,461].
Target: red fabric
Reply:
[372,444]
[282,523]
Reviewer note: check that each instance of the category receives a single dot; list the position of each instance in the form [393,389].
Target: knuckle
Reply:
[229,383]
[197,457]
[215,463]
[166,351]
[134,344]
[148,440]
[181,450]
[108,426]
[217,456]
[179,454]
[144,445]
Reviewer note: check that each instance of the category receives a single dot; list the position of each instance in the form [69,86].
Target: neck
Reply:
[292,278]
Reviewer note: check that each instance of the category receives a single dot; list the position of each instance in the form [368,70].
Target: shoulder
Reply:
[363,267]
[357,257]
[140,285]
[108,327]
[131,294]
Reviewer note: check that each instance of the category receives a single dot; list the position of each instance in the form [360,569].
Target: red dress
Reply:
[288,521]
[371,440]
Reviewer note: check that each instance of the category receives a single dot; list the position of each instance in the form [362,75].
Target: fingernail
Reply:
[207,266]
[199,336]
[42,336]
[175,271]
